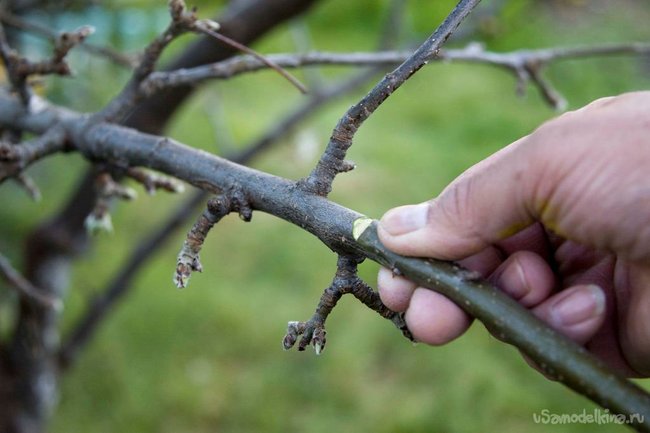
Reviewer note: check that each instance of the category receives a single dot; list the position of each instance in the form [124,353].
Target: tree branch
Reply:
[345,281]
[304,204]
[522,63]
[83,331]
[17,22]
[19,68]
[332,162]
[243,22]
[554,353]
[15,157]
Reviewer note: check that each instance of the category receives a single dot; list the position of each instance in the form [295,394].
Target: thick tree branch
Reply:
[333,224]
[303,204]
[117,288]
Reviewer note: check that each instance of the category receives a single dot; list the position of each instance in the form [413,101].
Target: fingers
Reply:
[526,277]
[634,318]
[431,317]
[395,292]
[577,312]
[434,319]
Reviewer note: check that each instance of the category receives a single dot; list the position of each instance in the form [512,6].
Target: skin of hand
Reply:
[559,220]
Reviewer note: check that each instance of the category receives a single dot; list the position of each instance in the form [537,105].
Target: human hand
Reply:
[559,220]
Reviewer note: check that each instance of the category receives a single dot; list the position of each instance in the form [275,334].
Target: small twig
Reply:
[19,68]
[345,281]
[218,207]
[332,162]
[527,65]
[182,21]
[99,220]
[152,181]
[28,184]
[554,353]
[209,30]
[188,258]
[550,95]
[37,29]
[16,157]
[24,287]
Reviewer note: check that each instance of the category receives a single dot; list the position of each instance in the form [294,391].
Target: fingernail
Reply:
[405,219]
[580,305]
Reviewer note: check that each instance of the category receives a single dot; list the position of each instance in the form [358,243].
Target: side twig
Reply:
[16,157]
[218,207]
[24,287]
[19,68]
[332,162]
[345,281]
[17,22]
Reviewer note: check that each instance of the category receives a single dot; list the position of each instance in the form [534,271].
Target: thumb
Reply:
[488,202]
[567,174]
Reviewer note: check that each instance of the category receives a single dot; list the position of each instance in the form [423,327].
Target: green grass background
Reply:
[208,358]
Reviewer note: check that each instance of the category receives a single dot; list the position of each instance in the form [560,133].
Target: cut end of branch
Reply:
[185,265]
[359,226]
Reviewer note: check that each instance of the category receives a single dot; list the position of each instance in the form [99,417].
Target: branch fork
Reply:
[19,68]
[345,281]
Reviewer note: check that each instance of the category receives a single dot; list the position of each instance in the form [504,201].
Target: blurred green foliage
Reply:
[208,358]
